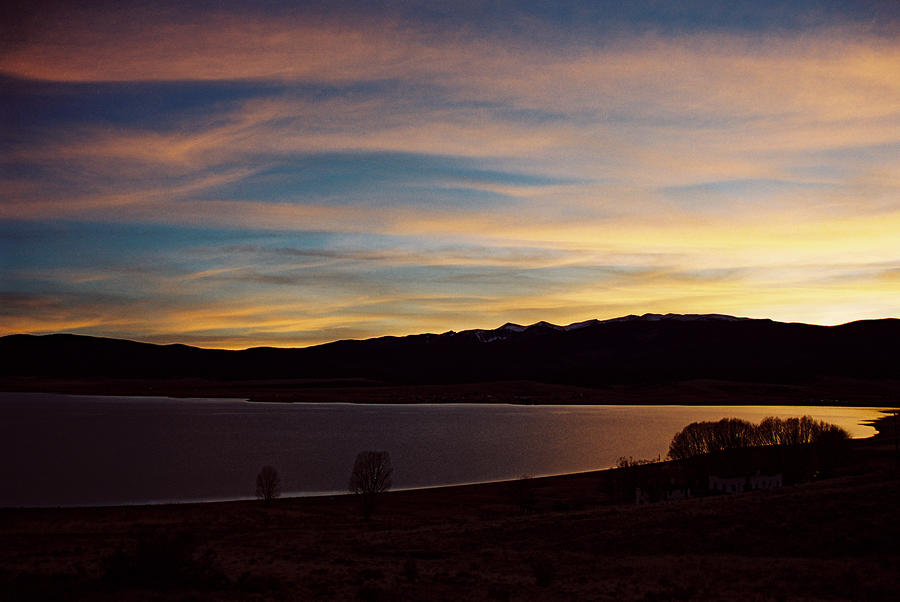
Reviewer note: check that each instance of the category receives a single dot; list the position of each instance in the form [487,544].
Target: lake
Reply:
[72,450]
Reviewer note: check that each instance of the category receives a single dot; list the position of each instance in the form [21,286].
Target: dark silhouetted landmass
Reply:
[680,357]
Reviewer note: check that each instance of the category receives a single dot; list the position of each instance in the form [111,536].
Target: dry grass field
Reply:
[832,539]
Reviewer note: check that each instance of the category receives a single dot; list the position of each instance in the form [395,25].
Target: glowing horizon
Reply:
[233,176]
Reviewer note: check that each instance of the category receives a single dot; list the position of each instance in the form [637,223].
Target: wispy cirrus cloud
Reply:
[253,174]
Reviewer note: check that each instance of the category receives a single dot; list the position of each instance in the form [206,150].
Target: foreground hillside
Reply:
[668,358]
[832,539]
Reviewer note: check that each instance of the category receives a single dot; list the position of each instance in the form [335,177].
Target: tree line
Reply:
[731,433]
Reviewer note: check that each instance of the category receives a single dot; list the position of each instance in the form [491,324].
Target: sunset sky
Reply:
[233,174]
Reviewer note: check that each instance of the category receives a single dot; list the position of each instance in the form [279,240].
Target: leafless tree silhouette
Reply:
[268,484]
[371,475]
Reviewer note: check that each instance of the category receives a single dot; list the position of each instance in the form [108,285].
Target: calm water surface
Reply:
[61,450]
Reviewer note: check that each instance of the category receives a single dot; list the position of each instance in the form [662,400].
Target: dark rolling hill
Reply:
[649,349]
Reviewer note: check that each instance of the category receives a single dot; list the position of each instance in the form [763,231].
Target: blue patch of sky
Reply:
[63,244]
[580,18]
[137,104]
[741,15]
[27,105]
[71,179]
[459,197]
[28,250]
[51,178]
[68,179]
[403,177]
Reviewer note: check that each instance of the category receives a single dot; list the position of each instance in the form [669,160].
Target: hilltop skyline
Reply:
[229,176]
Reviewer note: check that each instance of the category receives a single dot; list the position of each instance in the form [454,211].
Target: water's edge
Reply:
[83,450]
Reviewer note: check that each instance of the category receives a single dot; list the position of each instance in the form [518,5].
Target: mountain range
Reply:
[651,349]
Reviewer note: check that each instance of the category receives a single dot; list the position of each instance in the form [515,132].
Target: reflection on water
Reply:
[81,450]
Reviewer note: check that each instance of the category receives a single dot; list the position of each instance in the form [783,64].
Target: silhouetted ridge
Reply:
[652,348]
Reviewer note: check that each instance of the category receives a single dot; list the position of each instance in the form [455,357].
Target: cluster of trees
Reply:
[731,433]
[371,476]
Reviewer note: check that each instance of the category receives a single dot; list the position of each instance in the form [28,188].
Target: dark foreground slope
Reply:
[834,539]
[633,352]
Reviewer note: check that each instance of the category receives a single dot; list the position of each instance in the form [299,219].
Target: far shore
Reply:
[823,392]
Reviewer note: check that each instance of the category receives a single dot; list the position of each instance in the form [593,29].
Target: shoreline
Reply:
[884,431]
[538,481]
[824,392]
[331,495]
[812,540]
[882,422]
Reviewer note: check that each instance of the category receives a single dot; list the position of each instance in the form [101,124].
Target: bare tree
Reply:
[371,475]
[268,484]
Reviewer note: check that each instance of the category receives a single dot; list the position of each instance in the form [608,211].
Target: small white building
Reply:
[741,484]
[727,484]
[764,481]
